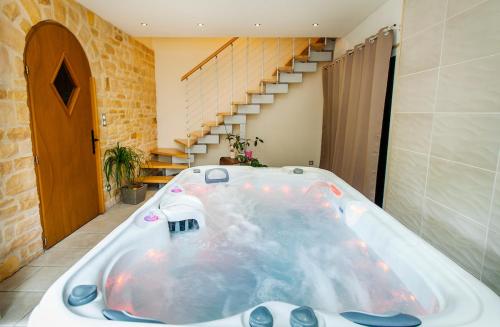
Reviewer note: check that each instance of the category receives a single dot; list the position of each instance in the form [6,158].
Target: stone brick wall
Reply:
[124,72]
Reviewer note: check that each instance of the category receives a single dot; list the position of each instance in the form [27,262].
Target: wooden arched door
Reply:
[63,130]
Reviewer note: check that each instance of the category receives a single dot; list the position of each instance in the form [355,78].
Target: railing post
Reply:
[293,53]
[201,98]
[309,47]
[246,78]
[278,62]
[188,134]
[217,83]
[186,100]
[232,77]
[262,68]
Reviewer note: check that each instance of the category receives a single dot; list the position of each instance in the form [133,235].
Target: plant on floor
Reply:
[122,166]
[240,146]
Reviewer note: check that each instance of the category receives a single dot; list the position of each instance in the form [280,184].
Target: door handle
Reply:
[93,140]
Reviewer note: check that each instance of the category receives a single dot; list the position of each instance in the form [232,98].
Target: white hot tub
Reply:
[261,247]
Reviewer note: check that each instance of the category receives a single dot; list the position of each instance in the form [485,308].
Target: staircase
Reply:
[238,79]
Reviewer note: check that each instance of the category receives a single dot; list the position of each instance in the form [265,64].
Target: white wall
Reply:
[291,127]
[387,14]
[173,58]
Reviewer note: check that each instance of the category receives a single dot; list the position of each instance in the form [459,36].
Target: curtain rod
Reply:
[370,39]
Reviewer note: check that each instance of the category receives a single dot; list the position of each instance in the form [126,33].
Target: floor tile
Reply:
[41,280]
[58,258]
[14,306]
[18,278]
[80,240]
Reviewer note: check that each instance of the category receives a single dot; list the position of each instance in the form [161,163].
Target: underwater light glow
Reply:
[335,190]
[155,255]
[362,244]
[326,204]
[382,265]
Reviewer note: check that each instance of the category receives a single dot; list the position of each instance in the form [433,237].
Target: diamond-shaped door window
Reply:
[64,83]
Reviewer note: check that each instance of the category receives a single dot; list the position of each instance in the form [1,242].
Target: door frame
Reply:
[33,127]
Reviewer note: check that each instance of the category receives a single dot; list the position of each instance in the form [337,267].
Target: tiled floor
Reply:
[20,293]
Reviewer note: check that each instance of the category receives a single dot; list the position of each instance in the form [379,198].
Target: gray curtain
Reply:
[354,89]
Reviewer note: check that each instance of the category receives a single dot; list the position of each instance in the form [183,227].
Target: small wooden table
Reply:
[226,161]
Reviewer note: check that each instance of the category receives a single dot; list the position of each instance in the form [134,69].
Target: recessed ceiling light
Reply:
[144,24]
[315,24]
[257,25]
[201,24]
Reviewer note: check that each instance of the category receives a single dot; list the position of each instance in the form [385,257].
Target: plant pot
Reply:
[133,194]
[232,154]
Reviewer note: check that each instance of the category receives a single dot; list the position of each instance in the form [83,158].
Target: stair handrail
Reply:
[210,57]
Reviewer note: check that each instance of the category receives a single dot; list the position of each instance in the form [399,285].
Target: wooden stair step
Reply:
[235,103]
[184,142]
[317,46]
[169,152]
[211,123]
[286,69]
[199,133]
[255,92]
[302,58]
[227,113]
[162,165]
[269,81]
[155,179]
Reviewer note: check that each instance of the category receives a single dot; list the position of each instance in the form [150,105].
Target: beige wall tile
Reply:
[470,87]
[408,169]
[456,236]
[405,205]
[471,139]
[466,131]
[421,52]
[465,189]
[457,6]
[416,92]
[473,34]
[421,14]
[411,131]
[491,272]
[495,214]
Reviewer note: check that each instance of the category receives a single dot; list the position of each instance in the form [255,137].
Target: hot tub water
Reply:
[263,241]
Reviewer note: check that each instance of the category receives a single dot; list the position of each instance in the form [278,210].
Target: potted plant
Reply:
[239,148]
[122,165]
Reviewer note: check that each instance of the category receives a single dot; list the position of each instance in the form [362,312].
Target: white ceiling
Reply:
[234,17]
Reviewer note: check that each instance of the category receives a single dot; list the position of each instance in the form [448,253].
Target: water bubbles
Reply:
[282,240]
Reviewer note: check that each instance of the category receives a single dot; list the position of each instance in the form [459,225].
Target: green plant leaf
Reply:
[122,165]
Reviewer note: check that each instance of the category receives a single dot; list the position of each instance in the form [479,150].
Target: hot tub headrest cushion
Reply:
[216,175]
